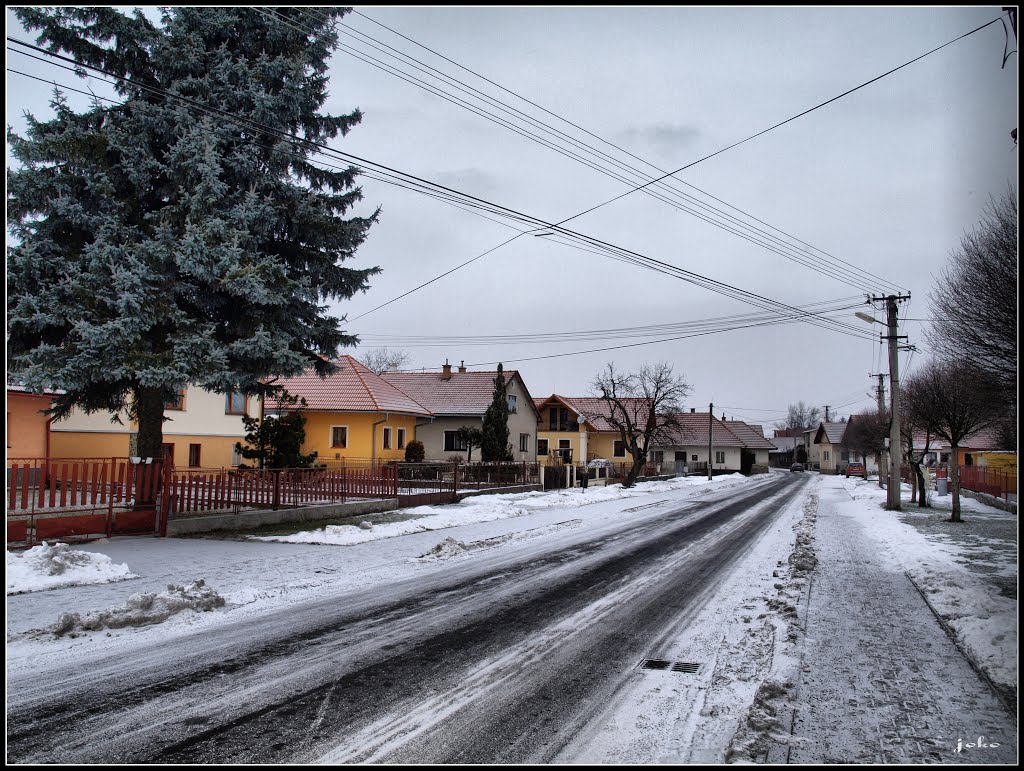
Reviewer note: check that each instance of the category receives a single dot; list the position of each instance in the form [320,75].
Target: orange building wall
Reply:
[26,427]
[360,435]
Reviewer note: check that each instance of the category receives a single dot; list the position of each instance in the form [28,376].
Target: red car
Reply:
[855,470]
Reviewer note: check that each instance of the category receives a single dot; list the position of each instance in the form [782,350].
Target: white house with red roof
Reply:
[460,398]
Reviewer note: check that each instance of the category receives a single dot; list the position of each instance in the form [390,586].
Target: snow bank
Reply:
[51,567]
[487,508]
[141,609]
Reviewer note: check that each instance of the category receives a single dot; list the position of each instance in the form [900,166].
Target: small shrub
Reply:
[415,452]
[456,459]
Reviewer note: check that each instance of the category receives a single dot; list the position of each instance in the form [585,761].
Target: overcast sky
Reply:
[883,181]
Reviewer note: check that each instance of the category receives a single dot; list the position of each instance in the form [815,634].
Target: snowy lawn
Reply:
[59,565]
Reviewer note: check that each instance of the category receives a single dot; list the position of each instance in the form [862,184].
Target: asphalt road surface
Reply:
[497,660]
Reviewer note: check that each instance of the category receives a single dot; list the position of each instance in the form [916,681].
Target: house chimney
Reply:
[462,366]
[446,371]
[693,410]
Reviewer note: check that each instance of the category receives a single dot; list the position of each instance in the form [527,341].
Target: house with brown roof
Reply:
[833,455]
[355,413]
[687,443]
[576,429]
[460,398]
[756,446]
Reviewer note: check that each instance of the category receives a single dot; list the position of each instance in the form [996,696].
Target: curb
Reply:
[1007,696]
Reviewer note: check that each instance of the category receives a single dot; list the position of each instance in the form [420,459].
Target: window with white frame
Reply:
[524,443]
[542,447]
[512,399]
[401,439]
[387,438]
[719,456]
[339,436]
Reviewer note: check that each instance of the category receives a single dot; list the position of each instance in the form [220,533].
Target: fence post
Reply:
[165,496]
[277,489]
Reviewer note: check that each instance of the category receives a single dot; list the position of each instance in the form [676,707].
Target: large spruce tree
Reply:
[494,444]
[161,244]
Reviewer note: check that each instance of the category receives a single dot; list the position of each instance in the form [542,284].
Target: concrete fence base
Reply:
[247,520]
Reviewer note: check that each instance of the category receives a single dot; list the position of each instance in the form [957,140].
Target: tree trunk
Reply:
[954,480]
[638,464]
[922,486]
[149,412]
[149,407]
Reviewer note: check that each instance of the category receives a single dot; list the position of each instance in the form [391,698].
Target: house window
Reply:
[719,456]
[565,450]
[542,447]
[168,451]
[681,456]
[512,402]
[453,442]
[401,439]
[387,438]
[553,419]
[339,436]
[524,443]
[193,454]
[658,456]
[619,450]
[177,403]
[234,403]
[693,457]
[236,456]
[825,454]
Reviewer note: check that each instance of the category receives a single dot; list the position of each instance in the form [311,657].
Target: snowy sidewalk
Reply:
[881,680]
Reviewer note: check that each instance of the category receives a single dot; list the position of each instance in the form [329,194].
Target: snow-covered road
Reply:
[499,660]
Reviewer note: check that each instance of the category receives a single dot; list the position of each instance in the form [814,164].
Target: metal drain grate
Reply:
[688,667]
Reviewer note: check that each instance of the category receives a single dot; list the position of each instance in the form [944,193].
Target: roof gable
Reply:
[461,394]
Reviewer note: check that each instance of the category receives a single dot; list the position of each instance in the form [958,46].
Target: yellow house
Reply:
[355,414]
[201,430]
[562,437]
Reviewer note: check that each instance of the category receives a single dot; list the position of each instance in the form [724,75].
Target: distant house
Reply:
[970,452]
[460,398]
[784,454]
[355,413]
[201,430]
[833,456]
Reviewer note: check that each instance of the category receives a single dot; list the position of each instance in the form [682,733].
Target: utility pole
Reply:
[711,428]
[895,442]
[826,412]
[883,465]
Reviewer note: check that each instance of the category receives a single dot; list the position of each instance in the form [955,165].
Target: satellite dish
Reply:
[580,419]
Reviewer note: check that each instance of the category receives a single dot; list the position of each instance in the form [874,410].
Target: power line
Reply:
[691,277]
[801,256]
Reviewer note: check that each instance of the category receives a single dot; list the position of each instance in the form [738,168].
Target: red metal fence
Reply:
[76,498]
[981,479]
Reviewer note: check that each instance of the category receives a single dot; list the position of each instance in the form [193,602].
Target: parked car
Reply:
[855,470]
[797,467]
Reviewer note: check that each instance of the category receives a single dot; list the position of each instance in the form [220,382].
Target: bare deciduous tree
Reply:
[952,400]
[801,416]
[381,360]
[974,300]
[909,426]
[641,406]
[865,435]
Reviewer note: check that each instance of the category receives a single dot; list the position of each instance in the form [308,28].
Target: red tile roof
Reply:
[693,431]
[749,435]
[593,408]
[464,393]
[353,388]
